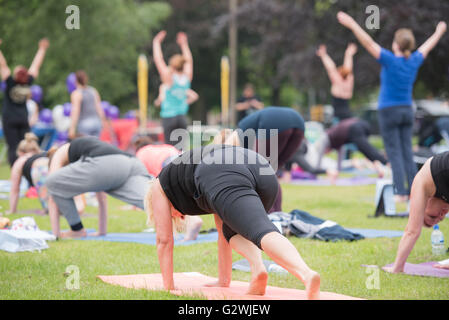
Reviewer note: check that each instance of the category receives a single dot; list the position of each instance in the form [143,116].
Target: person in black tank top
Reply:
[90,165]
[238,186]
[429,204]
[18,89]
[32,164]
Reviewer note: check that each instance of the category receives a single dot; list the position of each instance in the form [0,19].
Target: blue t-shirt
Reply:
[397,78]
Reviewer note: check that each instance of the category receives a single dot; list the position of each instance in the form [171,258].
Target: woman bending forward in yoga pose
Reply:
[238,186]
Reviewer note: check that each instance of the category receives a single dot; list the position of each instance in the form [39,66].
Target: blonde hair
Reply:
[177,62]
[179,223]
[29,144]
[405,40]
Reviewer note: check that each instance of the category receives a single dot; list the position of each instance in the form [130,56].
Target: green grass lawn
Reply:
[41,275]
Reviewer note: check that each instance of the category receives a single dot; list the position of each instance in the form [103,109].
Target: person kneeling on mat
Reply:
[239,187]
[89,165]
[429,204]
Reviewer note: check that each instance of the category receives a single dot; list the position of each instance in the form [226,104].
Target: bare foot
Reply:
[312,284]
[258,283]
[73,234]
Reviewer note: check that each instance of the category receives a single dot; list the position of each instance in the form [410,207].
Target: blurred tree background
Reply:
[277,43]
[112,34]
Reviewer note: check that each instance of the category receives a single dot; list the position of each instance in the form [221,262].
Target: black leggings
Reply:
[14,133]
[171,124]
[241,196]
[358,134]
[288,142]
[341,108]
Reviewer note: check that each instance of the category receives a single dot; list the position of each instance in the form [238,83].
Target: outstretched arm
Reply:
[224,258]
[183,43]
[328,63]
[164,234]
[4,69]
[364,38]
[39,58]
[348,63]
[16,176]
[158,57]
[427,46]
[422,189]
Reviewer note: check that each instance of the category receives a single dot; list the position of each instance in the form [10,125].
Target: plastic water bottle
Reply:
[437,239]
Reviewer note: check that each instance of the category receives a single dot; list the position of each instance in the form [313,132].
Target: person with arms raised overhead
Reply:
[399,71]
[18,90]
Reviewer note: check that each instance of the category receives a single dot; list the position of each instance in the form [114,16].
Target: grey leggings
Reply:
[122,177]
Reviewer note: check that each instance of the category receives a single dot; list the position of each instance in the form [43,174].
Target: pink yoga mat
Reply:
[424,269]
[192,283]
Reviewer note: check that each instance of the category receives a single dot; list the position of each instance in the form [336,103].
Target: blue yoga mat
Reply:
[373,233]
[150,238]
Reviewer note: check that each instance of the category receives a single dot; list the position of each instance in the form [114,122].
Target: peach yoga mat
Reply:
[192,283]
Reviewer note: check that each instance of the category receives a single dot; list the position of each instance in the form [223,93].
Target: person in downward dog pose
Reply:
[429,204]
[352,130]
[342,80]
[89,165]
[238,186]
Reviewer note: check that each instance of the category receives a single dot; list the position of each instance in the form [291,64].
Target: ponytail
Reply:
[29,144]
[405,40]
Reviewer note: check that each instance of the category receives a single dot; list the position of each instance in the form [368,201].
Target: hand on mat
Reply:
[73,234]
[96,234]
